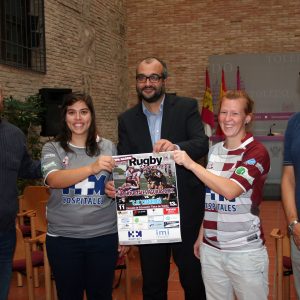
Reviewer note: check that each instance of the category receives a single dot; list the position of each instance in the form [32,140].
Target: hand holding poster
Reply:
[147,199]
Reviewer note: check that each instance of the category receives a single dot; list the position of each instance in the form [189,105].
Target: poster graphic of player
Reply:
[147,198]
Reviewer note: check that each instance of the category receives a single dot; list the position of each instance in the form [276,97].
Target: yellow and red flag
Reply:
[207,105]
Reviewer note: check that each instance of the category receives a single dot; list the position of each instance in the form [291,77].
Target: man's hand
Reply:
[163,146]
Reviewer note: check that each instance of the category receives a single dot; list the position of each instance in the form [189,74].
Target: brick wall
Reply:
[94,45]
[185,33]
[85,50]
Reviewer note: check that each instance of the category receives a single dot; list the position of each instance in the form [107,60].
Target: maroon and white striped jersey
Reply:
[235,225]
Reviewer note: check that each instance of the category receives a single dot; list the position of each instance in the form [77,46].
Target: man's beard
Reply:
[152,99]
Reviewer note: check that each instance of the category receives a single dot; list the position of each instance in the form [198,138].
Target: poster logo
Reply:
[134,234]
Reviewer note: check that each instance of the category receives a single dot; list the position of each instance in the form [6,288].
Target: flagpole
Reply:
[238,79]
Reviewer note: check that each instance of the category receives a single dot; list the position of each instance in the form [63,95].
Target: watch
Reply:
[291,226]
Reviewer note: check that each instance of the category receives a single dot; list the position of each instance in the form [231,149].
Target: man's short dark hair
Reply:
[150,59]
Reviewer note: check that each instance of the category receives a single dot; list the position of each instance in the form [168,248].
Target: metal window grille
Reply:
[22,34]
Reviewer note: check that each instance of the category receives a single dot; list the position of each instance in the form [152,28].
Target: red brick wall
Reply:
[94,45]
[185,33]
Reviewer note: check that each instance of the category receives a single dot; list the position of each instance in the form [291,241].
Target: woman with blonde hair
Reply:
[231,244]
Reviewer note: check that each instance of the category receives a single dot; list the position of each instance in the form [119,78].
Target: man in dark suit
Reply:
[161,122]
[14,162]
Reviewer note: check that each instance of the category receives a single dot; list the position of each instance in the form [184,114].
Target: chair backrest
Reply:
[41,223]
[35,198]
[32,195]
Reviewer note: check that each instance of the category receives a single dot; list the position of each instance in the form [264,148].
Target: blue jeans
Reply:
[7,247]
[244,274]
[83,264]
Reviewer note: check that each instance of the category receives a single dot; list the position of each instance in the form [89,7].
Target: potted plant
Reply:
[27,115]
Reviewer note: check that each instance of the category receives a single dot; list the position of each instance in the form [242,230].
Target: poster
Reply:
[147,198]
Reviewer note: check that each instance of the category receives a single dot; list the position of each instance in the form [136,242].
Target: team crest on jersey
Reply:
[65,161]
[242,171]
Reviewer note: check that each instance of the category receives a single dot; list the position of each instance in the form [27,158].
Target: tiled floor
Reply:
[272,216]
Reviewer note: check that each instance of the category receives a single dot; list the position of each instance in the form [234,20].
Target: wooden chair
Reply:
[19,255]
[37,226]
[50,289]
[34,198]
[29,200]
[19,258]
[23,266]
[31,253]
[124,266]
[283,266]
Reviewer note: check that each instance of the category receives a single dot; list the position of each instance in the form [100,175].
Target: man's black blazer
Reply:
[181,124]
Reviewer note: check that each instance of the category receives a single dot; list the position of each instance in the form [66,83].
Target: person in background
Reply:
[14,162]
[290,191]
[82,239]
[158,123]
[231,241]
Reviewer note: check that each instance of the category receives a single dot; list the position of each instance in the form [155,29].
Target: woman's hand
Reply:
[182,158]
[103,163]
[198,243]
[197,246]
[123,250]
[110,190]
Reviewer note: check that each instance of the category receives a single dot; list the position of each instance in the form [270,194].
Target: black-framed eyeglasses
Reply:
[153,78]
